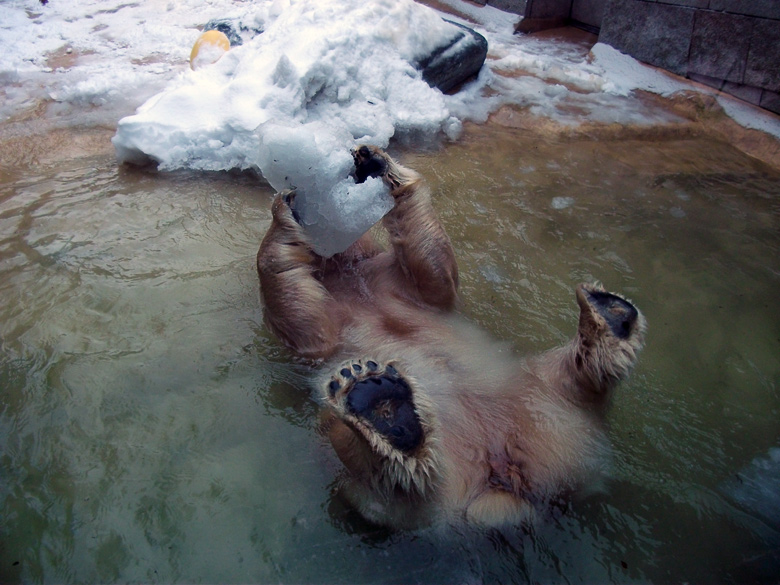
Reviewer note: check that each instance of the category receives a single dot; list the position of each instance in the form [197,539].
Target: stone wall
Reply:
[541,14]
[732,45]
[516,6]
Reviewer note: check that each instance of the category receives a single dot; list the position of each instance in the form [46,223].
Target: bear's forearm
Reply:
[300,312]
[298,308]
[422,247]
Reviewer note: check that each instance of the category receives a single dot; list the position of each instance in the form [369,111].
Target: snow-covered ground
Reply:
[329,72]
[310,79]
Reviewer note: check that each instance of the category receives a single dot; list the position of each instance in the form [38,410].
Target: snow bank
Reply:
[343,64]
[341,68]
[120,53]
[323,76]
[624,74]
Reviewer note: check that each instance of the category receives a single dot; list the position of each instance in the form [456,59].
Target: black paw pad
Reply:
[619,314]
[367,164]
[385,402]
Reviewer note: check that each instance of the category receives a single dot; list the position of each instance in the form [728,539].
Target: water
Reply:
[151,429]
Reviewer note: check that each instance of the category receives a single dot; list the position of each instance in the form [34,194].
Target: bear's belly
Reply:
[502,439]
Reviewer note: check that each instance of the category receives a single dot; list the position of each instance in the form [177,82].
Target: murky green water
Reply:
[151,430]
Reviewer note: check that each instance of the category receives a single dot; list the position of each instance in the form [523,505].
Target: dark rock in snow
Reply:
[444,68]
[450,65]
[232,30]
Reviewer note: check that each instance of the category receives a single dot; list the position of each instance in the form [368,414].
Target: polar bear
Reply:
[432,418]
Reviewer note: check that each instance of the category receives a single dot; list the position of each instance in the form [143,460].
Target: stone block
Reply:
[659,34]
[547,9]
[513,6]
[531,25]
[720,45]
[590,12]
[770,100]
[763,61]
[709,81]
[759,8]
[687,3]
[746,93]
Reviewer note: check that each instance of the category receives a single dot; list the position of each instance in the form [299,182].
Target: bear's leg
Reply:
[298,308]
[423,251]
[609,337]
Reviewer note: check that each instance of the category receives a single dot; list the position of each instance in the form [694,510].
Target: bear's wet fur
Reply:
[434,420]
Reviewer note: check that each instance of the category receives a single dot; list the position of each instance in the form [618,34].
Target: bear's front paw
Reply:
[380,400]
[370,161]
[284,206]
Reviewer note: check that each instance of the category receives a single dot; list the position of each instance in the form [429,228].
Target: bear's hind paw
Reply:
[379,399]
[621,316]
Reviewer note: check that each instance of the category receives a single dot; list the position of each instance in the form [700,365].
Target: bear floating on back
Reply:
[434,420]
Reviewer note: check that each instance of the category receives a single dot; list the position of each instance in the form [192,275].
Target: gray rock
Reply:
[232,30]
[451,64]
[444,68]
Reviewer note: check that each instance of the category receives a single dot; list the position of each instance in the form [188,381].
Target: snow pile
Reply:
[624,74]
[119,53]
[122,53]
[344,64]
[322,77]
[342,67]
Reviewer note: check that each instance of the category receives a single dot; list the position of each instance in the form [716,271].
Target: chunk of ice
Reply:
[310,158]
[755,486]
[336,220]
[316,161]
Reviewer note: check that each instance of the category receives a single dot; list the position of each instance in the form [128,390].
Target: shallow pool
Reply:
[151,429]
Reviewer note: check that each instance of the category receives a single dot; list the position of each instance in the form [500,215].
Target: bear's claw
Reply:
[379,398]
